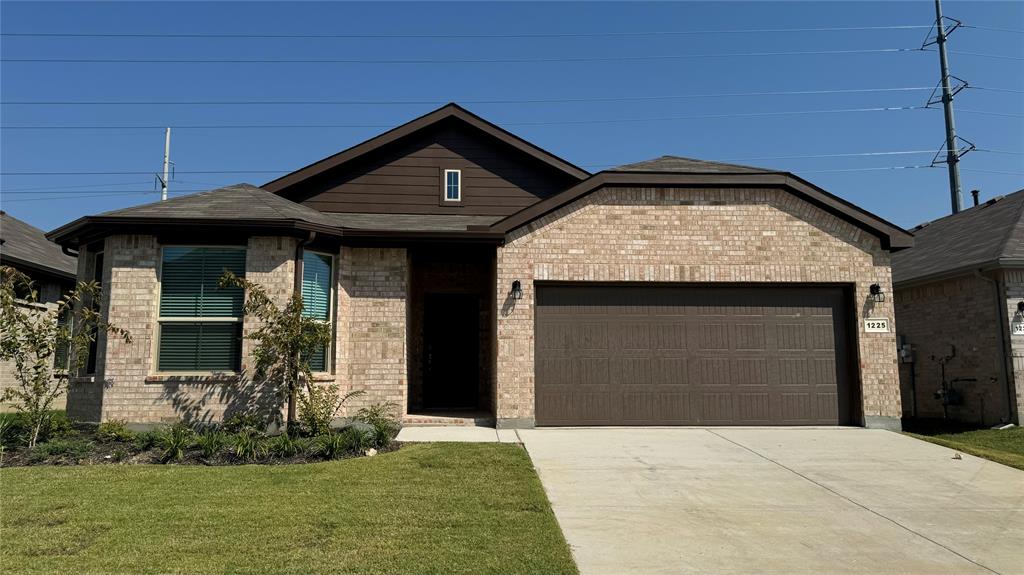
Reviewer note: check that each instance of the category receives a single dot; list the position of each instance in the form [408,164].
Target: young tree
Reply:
[284,341]
[33,335]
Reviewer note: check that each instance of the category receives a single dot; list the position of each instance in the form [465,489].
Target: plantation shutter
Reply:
[189,282]
[316,298]
[316,286]
[189,278]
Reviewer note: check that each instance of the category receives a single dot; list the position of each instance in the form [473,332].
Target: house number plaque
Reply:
[876,325]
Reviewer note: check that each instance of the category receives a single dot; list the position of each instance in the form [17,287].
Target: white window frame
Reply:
[444,192]
[161,320]
[328,363]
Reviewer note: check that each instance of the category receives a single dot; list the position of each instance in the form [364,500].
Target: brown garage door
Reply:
[630,355]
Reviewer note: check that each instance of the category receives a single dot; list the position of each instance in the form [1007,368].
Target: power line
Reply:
[987,113]
[73,193]
[307,36]
[987,89]
[441,101]
[980,55]
[991,29]
[994,172]
[536,123]
[449,61]
[50,188]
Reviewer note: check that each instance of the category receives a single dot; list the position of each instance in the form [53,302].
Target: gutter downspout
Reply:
[69,252]
[1004,336]
[297,289]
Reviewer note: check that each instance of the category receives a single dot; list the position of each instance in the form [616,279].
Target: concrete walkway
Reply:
[458,434]
[784,501]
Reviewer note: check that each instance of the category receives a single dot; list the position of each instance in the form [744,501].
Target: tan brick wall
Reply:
[688,235]
[371,325]
[1013,284]
[959,312]
[133,390]
[49,292]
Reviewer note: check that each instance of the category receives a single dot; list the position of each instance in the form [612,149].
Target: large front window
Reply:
[317,283]
[200,323]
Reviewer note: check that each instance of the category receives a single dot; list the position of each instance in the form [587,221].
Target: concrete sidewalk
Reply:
[461,434]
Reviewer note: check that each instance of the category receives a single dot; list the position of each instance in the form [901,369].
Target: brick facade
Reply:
[613,234]
[688,235]
[963,312]
[1013,286]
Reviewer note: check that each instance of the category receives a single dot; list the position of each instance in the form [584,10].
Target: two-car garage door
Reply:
[637,355]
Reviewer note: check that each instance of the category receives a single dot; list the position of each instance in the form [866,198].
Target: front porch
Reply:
[450,336]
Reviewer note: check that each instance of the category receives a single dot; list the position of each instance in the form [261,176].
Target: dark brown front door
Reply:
[636,355]
[452,351]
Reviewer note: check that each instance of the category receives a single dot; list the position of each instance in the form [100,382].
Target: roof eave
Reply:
[15,261]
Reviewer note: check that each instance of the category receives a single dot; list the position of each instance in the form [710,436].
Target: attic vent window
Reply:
[453,185]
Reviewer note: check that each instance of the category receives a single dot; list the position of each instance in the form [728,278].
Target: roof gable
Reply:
[449,111]
[990,234]
[26,245]
[892,237]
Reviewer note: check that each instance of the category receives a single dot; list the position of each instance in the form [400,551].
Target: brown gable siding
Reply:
[405,178]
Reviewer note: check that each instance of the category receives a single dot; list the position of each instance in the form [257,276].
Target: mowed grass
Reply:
[427,508]
[1004,446]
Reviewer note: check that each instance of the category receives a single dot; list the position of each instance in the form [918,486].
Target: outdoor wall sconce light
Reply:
[1020,307]
[517,290]
[876,293]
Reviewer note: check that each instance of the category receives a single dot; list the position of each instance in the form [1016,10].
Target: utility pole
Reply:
[952,155]
[167,164]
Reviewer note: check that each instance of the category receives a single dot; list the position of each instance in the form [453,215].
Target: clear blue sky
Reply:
[906,197]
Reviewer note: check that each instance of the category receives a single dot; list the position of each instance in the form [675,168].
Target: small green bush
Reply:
[384,421]
[175,441]
[356,440]
[286,446]
[56,425]
[120,454]
[211,442]
[74,448]
[244,421]
[147,439]
[330,446]
[114,430]
[250,446]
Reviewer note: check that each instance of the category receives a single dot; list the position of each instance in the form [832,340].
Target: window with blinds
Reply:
[317,287]
[200,323]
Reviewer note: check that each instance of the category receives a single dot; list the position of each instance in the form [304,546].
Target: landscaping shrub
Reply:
[330,446]
[319,404]
[250,446]
[175,441]
[114,430]
[71,448]
[55,425]
[244,421]
[385,424]
[147,439]
[211,442]
[286,446]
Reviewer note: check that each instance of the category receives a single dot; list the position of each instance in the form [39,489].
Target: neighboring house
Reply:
[960,315]
[472,276]
[25,248]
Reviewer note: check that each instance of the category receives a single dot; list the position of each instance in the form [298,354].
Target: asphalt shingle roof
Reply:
[680,164]
[992,232]
[26,243]
[245,201]
[241,201]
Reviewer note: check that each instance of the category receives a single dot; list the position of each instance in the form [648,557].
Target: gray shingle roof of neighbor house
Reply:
[26,245]
[679,164]
[987,236]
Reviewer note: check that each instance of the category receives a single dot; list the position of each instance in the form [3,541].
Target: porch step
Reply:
[461,420]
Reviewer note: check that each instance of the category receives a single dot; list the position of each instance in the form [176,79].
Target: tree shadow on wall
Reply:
[221,396]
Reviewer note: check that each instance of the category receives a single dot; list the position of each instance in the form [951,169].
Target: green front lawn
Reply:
[426,508]
[1004,446]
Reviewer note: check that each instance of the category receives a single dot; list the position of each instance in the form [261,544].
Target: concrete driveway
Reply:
[759,500]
